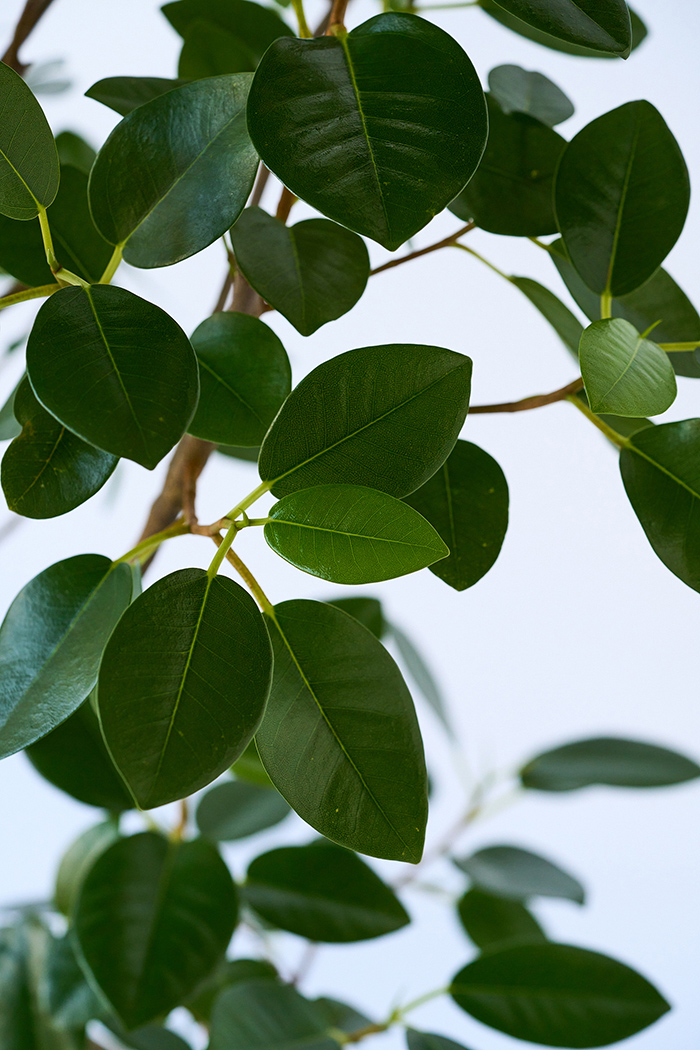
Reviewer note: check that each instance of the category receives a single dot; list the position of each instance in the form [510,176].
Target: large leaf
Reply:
[51,641]
[467,502]
[122,94]
[153,919]
[382,416]
[210,51]
[511,193]
[492,921]
[29,171]
[499,13]
[244,376]
[324,893]
[557,995]
[351,534]
[233,810]
[183,684]
[254,26]
[340,710]
[607,760]
[132,357]
[47,470]
[341,123]
[266,1015]
[516,874]
[77,861]
[320,269]
[621,197]
[603,25]
[175,174]
[625,374]
[565,324]
[518,90]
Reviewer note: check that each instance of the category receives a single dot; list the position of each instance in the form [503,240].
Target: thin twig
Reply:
[337,15]
[305,963]
[446,242]
[536,401]
[259,187]
[33,10]
[286,203]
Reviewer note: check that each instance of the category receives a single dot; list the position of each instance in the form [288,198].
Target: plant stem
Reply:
[606,305]
[249,500]
[446,242]
[536,401]
[286,203]
[41,292]
[485,261]
[676,348]
[246,575]
[33,10]
[337,16]
[612,435]
[304,31]
[59,271]
[223,545]
[143,550]
[542,245]
[112,266]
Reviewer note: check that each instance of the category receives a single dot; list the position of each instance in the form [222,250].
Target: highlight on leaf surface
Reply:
[625,374]
[29,169]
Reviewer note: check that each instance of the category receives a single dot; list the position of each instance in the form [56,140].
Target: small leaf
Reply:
[320,269]
[623,373]
[183,683]
[253,25]
[607,760]
[324,893]
[249,767]
[429,1041]
[29,172]
[77,861]
[123,94]
[230,971]
[603,25]
[495,921]
[565,324]
[174,906]
[497,12]
[266,1015]
[341,1016]
[557,995]
[347,421]
[51,641]
[367,610]
[340,708]
[210,51]
[244,376]
[9,427]
[235,809]
[421,674]
[516,874]
[75,152]
[134,359]
[518,90]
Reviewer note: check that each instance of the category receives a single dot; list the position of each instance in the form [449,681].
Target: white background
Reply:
[578,630]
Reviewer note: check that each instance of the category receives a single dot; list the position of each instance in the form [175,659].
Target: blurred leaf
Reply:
[230,971]
[367,610]
[75,152]
[249,767]
[123,94]
[235,809]
[494,921]
[421,674]
[607,760]
[516,874]
[518,90]
[211,51]
[77,861]
[265,1015]
[252,24]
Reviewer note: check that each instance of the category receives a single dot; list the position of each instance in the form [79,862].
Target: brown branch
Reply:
[337,15]
[33,10]
[286,203]
[179,486]
[259,187]
[446,242]
[536,401]
[224,293]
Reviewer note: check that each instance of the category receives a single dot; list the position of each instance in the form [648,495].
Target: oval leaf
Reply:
[77,861]
[210,51]
[518,90]
[29,172]
[122,94]
[623,373]
[565,324]
[255,26]
[516,874]
[603,25]
[607,760]
[492,922]
[421,674]
[266,1015]
[75,152]
[340,112]
[367,610]
[235,810]
[516,25]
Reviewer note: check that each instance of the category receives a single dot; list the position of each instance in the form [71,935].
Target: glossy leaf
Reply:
[607,760]
[123,94]
[75,152]
[421,674]
[339,706]
[47,470]
[500,14]
[235,809]
[516,874]
[491,921]
[175,907]
[429,1041]
[367,610]
[135,360]
[565,324]
[621,197]
[183,684]
[603,25]
[324,893]
[175,173]
[253,25]
[467,502]
[382,416]
[623,373]
[51,641]
[244,376]
[210,51]
[266,1015]
[320,269]
[511,193]
[29,172]
[557,995]
[340,123]
[77,861]
[518,90]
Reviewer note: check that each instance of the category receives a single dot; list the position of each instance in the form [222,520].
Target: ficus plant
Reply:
[129,694]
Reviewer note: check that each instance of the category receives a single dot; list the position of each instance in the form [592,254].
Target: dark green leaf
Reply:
[29,172]
[122,94]
[236,809]
[340,708]
[134,359]
[150,1037]
[511,193]
[340,1016]
[367,610]
[603,25]
[565,324]
[183,684]
[265,1015]
[623,373]
[74,151]
[557,995]
[70,1000]
[77,862]
[9,427]
[47,470]
[253,25]
[244,376]
[174,907]
[467,502]
[516,874]
[607,760]
[210,51]
[340,113]
[175,173]
[494,921]
[320,268]
[621,197]
[231,971]
[639,32]
[429,1041]
[248,455]
[421,674]
[16,1011]
[382,416]
[51,641]
[249,767]
[518,90]
[324,893]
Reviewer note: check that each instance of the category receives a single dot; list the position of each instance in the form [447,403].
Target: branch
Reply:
[446,242]
[536,401]
[33,10]
[337,15]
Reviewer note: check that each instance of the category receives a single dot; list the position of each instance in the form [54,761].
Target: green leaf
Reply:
[174,906]
[621,197]
[367,610]
[467,502]
[51,641]
[660,469]
[246,454]
[252,25]
[265,1015]
[511,193]
[347,422]
[557,995]
[320,269]
[516,874]
[210,51]
[231,971]
[340,1016]
[429,1041]
[565,324]
[236,809]
[134,359]
[150,1037]
[603,25]
[337,701]
[74,759]
[518,90]
[29,172]
[498,12]
[16,1013]
[244,376]
[183,684]
[624,373]
[70,1000]
[75,152]
[340,123]
[249,767]
[324,893]
[494,921]
[607,760]
[9,427]
[123,94]
[421,674]
[176,172]
[47,470]
[351,534]
[77,861]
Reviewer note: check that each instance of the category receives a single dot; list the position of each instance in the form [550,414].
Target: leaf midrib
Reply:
[623,198]
[352,535]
